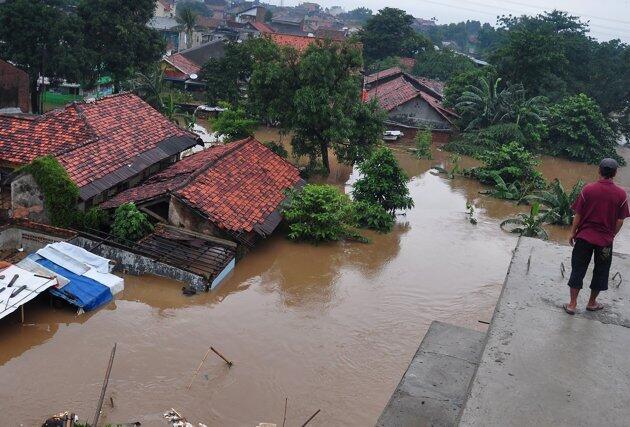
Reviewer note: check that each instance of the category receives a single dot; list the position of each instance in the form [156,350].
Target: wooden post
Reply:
[22,312]
[105,382]
[311,419]
[222,357]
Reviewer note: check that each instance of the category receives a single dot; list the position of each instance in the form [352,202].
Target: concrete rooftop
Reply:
[543,367]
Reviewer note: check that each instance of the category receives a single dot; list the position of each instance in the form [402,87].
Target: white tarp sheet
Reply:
[29,264]
[84,263]
[34,286]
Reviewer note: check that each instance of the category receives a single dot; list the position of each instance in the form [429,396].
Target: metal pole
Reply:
[105,382]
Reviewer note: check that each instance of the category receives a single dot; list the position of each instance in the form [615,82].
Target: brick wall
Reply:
[13,87]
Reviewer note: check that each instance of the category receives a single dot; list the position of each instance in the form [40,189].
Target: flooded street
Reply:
[330,327]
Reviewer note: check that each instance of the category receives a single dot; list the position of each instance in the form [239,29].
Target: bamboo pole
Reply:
[284,419]
[222,357]
[198,368]
[105,382]
[311,419]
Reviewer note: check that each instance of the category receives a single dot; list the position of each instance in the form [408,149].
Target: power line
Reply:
[620,30]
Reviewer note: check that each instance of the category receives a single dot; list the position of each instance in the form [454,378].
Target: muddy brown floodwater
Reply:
[330,327]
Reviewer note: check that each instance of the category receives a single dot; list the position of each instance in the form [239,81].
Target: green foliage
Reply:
[579,131]
[318,98]
[234,124]
[423,144]
[389,33]
[512,163]
[117,36]
[226,76]
[373,217]
[557,202]
[94,219]
[318,213]
[384,64]
[515,191]
[42,40]
[130,225]
[60,192]
[277,148]
[454,170]
[187,18]
[441,64]
[383,182]
[528,225]
[359,15]
[197,7]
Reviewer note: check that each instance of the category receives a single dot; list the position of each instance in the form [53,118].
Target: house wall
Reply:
[27,200]
[418,112]
[14,90]
[181,215]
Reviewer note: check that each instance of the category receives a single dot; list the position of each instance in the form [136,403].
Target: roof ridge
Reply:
[85,121]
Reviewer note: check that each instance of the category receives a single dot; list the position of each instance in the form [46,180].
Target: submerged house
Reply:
[411,102]
[106,146]
[233,191]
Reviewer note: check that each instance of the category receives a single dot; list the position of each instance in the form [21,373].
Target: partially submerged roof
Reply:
[24,288]
[393,88]
[238,186]
[99,143]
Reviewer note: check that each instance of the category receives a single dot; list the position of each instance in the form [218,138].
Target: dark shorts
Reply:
[582,253]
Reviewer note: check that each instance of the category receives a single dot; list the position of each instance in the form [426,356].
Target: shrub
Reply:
[60,192]
[423,144]
[318,213]
[578,130]
[277,148]
[94,219]
[373,217]
[383,182]
[130,225]
[234,124]
[512,163]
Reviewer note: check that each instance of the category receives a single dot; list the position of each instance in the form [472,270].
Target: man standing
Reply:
[599,214]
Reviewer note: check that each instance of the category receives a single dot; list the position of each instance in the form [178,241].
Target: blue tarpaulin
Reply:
[82,291]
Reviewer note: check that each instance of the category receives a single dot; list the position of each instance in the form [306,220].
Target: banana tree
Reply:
[528,225]
[557,202]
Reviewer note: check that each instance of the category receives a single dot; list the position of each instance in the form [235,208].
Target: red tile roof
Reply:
[393,93]
[183,64]
[90,139]
[390,72]
[236,186]
[262,27]
[299,43]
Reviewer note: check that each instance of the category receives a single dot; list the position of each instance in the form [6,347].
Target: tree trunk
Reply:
[34,96]
[325,162]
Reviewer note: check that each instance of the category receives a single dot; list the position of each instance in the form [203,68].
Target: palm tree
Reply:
[150,87]
[187,19]
[528,225]
[557,202]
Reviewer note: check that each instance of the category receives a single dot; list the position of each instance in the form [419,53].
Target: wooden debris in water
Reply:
[177,420]
[284,418]
[222,357]
[104,388]
[198,368]
[311,418]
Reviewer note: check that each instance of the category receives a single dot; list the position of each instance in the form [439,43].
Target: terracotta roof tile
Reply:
[183,64]
[299,43]
[236,186]
[383,75]
[393,93]
[91,139]
[262,27]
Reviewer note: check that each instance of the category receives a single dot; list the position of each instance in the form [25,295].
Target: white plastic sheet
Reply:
[34,286]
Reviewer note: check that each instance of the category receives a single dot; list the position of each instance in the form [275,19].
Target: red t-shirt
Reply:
[601,204]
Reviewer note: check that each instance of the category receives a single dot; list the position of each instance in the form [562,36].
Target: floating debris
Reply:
[177,420]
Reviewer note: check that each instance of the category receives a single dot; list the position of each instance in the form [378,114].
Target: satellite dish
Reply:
[194,76]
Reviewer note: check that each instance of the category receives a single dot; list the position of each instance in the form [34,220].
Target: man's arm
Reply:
[577,218]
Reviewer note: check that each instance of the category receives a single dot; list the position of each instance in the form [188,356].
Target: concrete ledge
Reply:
[433,389]
[541,366]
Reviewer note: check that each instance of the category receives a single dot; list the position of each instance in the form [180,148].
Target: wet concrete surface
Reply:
[542,366]
[433,389]
[331,327]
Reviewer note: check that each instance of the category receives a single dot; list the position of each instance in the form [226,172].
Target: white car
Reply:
[392,135]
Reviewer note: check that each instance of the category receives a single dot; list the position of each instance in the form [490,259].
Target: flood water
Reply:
[330,327]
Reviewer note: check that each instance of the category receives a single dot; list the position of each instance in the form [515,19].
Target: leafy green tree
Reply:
[318,98]
[557,202]
[197,7]
[384,64]
[383,182]
[579,131]
[150,86]
[372,216]
[130,225]
[116,33]
[528,225]
[389,33]
[458,83]
[277,149]
[234,124]
[359,15]
[318,213]
[43,41]
[224,77]
[187,18]
[423,144]
[512,163]
[441,64]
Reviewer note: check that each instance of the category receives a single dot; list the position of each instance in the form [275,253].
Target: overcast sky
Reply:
[609,19]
